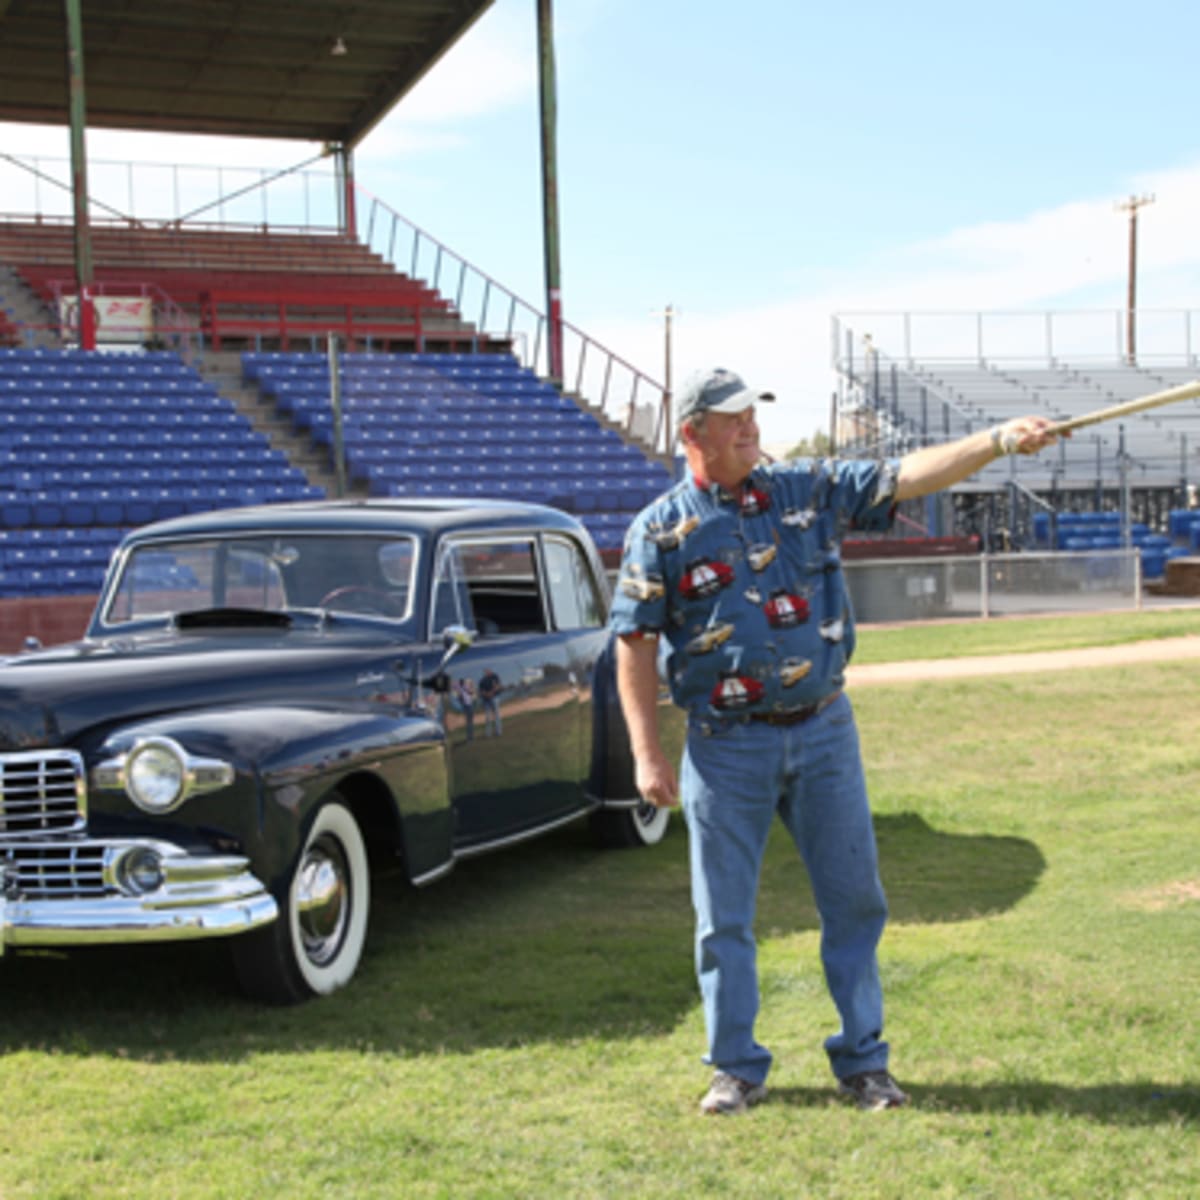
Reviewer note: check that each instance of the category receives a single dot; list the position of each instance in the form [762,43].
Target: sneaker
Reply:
[729,1095]
[873,1090]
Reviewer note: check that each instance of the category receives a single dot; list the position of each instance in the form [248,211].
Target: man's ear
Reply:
[687,434]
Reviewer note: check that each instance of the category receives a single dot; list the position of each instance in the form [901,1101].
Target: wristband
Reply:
[1003,443]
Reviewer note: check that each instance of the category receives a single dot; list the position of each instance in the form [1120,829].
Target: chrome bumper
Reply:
[199,896]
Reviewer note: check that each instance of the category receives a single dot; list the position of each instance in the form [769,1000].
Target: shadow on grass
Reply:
[553,940]
[1113,1104]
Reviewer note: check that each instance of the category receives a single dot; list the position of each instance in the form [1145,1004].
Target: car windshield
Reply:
[268,573]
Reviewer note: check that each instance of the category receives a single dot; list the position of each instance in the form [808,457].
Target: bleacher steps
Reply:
[223,369]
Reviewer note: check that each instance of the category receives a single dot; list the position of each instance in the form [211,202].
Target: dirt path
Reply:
[1159,650]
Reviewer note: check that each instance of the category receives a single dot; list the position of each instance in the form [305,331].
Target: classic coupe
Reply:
[270,700]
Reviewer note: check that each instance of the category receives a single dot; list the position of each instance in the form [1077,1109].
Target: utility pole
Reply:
[1131,206]
[668,315]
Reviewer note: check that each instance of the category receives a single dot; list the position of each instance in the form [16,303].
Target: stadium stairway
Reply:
[464,425]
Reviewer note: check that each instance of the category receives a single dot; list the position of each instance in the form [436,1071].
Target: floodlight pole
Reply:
[1131,206]
[546,89]
[86,311]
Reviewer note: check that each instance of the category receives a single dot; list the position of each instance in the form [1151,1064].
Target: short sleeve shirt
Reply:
[748,588]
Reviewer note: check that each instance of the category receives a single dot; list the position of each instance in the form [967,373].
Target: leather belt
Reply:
[794,716]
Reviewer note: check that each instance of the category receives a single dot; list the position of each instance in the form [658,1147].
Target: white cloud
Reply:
[1072,257]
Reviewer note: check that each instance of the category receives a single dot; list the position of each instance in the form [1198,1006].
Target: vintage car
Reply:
[270,700]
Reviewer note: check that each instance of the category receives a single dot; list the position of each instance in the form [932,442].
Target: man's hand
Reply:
[656,781]
[1024,435]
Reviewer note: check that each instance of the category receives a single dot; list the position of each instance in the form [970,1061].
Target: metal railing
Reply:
[1032,338]
[308,198]
[625,395]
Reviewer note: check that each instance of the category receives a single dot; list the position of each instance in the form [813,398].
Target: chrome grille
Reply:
[41,792]
[59,871]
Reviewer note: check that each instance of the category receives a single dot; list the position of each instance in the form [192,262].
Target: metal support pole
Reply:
[335,403]
[1123,475]
[345,158]
[79,177]
[546,88]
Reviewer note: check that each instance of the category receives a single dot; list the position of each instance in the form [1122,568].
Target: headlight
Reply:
[139,871]
[156,774]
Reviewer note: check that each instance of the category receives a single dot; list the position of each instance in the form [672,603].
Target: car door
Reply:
[511,710]
[578,605]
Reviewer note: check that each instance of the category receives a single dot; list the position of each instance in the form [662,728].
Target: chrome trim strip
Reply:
[515,838]
[617,801]
[438,872]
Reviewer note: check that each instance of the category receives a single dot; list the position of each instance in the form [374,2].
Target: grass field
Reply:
[528,1027]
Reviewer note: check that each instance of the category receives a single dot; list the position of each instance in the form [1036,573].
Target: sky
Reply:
[761,167]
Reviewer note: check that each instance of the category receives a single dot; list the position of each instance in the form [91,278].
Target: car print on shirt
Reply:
[833,629]
[792,670]
[785,610]
[710,639]
[735,691]
[761,556]
[754,502]
[640,586]
[672,538]
[705,577]
[800,518]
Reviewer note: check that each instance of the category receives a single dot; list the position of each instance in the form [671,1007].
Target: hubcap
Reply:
[323,899]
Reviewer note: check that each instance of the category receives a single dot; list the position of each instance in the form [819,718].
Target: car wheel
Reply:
[644,825]
[314,946]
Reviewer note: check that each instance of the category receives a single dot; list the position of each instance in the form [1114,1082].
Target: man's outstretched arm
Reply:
[935,467]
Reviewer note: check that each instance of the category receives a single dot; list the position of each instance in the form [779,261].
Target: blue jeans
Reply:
[736,776]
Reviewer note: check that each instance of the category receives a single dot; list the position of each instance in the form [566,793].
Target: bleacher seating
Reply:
[924,402]
[246,288]
[467,425]
[92,444]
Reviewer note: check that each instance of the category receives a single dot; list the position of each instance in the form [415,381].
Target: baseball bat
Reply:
[1185,391]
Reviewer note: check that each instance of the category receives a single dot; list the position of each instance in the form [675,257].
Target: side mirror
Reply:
[455,639]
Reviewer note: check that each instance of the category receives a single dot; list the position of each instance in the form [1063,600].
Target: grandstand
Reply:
[101,442]
[1130,482]
[215,386]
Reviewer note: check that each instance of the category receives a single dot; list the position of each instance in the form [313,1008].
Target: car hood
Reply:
[50,697]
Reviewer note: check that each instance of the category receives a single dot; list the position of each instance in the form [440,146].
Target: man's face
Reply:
[728,444]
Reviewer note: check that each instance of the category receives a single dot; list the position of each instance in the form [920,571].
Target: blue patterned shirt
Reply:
[748,589]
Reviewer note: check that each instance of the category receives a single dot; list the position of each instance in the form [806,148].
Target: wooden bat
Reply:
[1185,391]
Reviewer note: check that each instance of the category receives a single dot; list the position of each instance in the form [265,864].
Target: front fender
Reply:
[288,758]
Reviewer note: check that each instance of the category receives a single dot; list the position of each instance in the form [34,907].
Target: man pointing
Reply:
[747,589]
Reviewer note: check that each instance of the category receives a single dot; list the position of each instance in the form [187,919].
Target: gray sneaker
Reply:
[873,1090]
[729,1095]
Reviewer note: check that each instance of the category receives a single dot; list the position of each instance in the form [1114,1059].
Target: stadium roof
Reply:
[258,68]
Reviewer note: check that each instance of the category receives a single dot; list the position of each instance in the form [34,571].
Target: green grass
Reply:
[529,1027]
[1020,635]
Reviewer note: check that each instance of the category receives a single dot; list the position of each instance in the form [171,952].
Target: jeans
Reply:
[736,775]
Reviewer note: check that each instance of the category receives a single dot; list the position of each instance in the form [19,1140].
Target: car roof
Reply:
[383,516]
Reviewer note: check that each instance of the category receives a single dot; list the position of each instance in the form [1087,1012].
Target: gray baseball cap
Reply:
[717,391]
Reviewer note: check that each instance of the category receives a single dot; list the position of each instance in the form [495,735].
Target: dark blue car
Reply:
[270,700]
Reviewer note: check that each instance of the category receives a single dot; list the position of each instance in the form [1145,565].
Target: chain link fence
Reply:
[994,585]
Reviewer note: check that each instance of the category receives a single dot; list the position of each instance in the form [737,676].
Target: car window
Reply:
[573,593]
[268,572]
[490,586]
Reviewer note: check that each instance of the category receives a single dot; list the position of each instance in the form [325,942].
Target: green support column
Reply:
[554,331]
[79,179]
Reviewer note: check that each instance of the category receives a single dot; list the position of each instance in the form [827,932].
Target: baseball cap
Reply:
[717,391]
